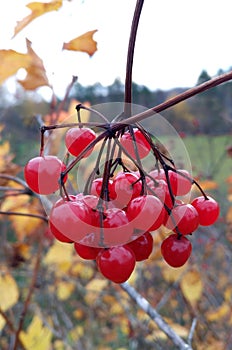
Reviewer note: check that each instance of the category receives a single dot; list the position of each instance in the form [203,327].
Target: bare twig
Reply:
[36,216]
[130,57]
[155,316]
[29,295]
[11,326]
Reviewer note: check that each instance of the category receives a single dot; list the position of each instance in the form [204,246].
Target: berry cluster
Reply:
[112,219]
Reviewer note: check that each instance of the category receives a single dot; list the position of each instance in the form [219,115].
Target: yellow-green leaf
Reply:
[37,9]
[83,43]
[37,336]
[192,286]
[9,292]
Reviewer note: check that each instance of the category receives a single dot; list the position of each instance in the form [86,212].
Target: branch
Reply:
[29,295]
[155,316]
[179,98]
[36,216]
[130,57]
[11,326]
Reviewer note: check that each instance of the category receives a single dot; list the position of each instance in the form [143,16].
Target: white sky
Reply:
[176,40]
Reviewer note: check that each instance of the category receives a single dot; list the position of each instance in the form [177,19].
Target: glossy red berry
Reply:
[42,174]
[143,146]
[77,139]
[142,246]
[184,218]
[180,185]
[116,263]
[208,210]
[125,187]
[96,189]
[86,252]
[176,250]
[116,228]
[73,219]
[145,213]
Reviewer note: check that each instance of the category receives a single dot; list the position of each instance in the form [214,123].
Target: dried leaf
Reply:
[8,291]
[36,74]
[64,290]
[208,185]
[37,9]
[172,274]
[37,336]
[192,286]
[229,215]
[11,61]
[83,43]
[59,254]
[219,313]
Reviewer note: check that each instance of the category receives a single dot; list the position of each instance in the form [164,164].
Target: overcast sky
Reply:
[177,39]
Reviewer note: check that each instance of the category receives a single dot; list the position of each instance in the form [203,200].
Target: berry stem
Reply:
[130,57]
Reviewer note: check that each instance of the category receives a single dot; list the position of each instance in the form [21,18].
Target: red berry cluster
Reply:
[111,221]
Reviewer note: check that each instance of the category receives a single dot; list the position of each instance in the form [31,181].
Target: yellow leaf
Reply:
[9,292]
[172,274]
[11,61]
[219,313]
[84,43]
[208,185]
[76,333]
[36,74]
[93,289]
[229,215]
[192,286]
[37,9]
[58,254]
[2,322]
[64,290]
[228,294]
[96,285]
[37,336]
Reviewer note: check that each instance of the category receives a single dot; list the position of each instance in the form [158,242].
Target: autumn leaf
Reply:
[219,313]
[9,294]
[8,291]
[64,290]
[36,74]
[83,43]
[37,9]
[37,336]
[11,61]
[192,286]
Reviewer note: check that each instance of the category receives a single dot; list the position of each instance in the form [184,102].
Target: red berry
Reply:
[176,250]
[86,252]
[180,185]
[126,186]
[160,190]
[73,219]
[142,246]
[208,210]
[42,174]
[77,139]
[97,187]
[145,213]
[117,229]
[184,217]
[142,144]
[116,263]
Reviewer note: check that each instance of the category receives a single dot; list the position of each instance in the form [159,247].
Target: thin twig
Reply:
[36,216]
[130,57]
[29,295]
[179,98]
[11,326]
[155,316]
[192,330]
